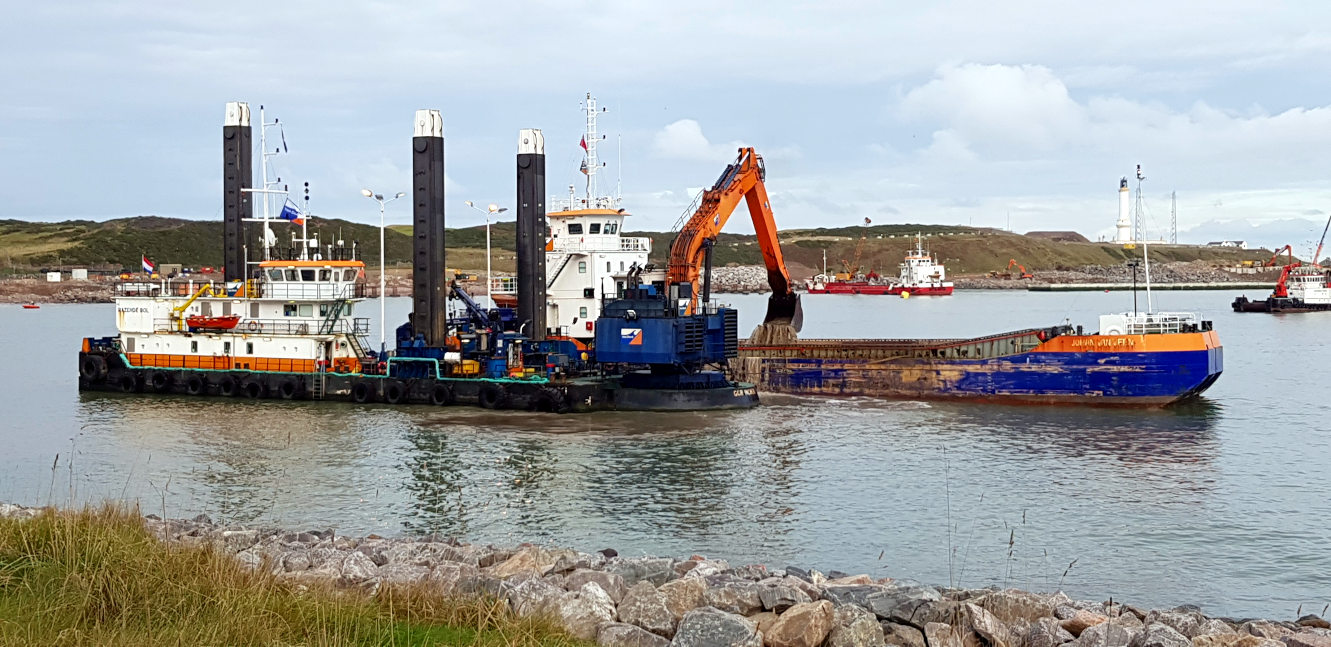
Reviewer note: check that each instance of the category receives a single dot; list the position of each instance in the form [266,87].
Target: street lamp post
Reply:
[493,209]
[383,302]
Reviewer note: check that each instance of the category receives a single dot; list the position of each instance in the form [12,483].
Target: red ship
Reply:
[920,276]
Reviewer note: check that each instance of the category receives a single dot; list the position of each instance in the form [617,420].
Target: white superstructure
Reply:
[1308,284]
[587,259]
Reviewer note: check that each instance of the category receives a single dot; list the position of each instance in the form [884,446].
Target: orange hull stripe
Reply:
[1130,343]
[209,362]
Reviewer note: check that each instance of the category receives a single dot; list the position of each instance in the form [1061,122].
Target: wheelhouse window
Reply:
[307,275]
[594,228]
[574,228]
[275,275]
[291,275]
[325,275]
[611,227]
[348,275]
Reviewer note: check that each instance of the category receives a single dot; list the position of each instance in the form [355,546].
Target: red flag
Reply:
[583,143]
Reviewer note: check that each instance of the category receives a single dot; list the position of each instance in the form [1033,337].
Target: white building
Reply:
[1123,228]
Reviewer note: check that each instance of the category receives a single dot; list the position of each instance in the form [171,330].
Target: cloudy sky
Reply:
[937,112]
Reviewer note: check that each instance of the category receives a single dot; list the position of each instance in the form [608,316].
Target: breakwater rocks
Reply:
[699,602]
[1161,273]
[740,279]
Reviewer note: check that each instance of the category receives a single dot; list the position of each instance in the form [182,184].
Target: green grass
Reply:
[96,577]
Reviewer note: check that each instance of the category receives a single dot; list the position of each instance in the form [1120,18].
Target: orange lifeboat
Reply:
[217,323]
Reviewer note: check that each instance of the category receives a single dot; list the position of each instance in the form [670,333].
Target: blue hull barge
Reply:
[1137,360]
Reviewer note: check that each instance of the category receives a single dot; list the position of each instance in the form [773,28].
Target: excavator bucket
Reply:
[785,309]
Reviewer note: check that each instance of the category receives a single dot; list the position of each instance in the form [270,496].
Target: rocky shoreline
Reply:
[41,291]
[752,279]
[699,602]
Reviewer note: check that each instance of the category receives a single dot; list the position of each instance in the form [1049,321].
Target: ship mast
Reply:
[590,164]
[1146,254]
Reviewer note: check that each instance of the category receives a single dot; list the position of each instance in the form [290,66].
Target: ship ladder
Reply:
[318,383]
[551,281]
[330,322]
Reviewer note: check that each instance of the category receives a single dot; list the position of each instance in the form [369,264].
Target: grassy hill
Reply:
[965,250]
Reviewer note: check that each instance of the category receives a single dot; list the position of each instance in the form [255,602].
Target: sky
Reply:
[1020,114]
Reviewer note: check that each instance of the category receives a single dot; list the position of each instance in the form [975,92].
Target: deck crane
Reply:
[1283,250]
[690,253]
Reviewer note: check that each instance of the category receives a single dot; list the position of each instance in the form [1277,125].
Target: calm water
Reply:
[1224,504]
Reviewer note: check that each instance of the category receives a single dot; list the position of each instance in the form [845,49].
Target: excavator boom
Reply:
[689,257]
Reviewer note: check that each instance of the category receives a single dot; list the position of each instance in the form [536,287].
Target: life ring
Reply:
[229,386]
[362,393]
[93,368]
[492,396]
[162,382]
[254,326]
[441,395]
[196,385]
[290,388]
[396,392]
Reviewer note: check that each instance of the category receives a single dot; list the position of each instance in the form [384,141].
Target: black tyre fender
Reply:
[255,389]
[162,381]
[291,388]
[229,386]
[363,392]
[93,368]
[130,383]
[196,385]
[492,396]
[396,392]
[551,400]
[441,395]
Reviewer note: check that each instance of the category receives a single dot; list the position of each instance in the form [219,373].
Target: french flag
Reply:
[148,266]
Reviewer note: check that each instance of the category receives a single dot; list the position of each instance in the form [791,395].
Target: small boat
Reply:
[214,323]
[30,306]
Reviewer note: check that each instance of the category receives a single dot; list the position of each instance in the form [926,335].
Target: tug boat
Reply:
[1301,288]
[920,276]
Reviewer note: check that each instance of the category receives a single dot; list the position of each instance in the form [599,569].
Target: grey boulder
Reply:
[618,634]
[712,627]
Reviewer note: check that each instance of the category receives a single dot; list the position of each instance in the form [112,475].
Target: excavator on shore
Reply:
[691,251]
[1006,273]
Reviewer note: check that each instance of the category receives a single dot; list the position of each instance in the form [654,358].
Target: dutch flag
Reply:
[148,267]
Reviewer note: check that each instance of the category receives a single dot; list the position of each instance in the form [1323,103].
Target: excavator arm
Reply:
[688,253]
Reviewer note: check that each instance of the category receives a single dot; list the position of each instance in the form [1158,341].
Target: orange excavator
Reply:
[1024,274]
[691,251]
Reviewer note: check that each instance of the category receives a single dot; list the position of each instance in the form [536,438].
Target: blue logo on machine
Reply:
[631,336]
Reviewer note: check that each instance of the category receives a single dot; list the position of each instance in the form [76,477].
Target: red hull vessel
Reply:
[861,287]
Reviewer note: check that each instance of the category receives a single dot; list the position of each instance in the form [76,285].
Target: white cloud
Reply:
[684,140]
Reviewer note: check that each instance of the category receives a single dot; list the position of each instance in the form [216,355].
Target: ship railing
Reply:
[247,289]
[598,243]
[504,285]
[357,326]
[1158,323]
[315,291]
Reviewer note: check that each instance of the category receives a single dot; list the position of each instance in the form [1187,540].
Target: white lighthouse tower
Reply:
[1123,228]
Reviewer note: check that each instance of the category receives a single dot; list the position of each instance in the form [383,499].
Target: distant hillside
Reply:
[965,250]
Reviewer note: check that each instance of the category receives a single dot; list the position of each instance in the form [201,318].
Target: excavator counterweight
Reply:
[690,257]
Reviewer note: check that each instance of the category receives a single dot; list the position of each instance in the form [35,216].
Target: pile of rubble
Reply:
[740,279]
[698,602]
[42,291]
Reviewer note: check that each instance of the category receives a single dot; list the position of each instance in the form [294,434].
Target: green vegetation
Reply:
[96,577]
[965,250]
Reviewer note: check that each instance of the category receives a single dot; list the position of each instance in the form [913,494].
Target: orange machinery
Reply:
[690,253]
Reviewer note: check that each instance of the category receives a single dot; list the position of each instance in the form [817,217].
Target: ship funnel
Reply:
[531,233]
[429,288]
[237,176]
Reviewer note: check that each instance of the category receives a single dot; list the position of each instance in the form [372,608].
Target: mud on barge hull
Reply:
[111,373]
[1042,366]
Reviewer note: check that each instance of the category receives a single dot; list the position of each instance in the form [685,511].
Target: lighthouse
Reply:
[1123,228]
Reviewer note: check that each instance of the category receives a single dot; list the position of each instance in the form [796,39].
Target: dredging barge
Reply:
[286,326]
